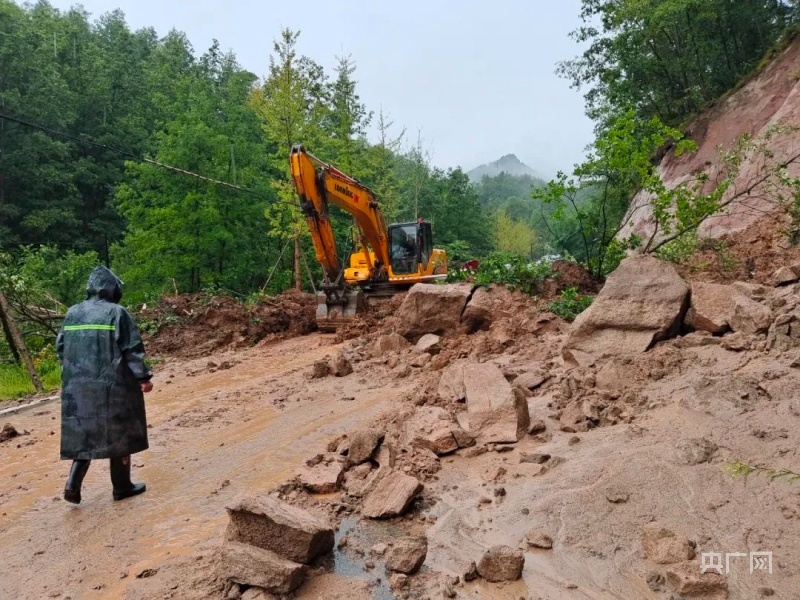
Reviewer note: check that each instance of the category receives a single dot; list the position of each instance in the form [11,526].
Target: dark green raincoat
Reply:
[102,361]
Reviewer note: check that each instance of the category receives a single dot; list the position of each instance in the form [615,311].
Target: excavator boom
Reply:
[390,258]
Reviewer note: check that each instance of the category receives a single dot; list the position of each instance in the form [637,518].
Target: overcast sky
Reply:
[475,76]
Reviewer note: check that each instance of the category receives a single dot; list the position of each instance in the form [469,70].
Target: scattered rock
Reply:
[642,302]
[430,428]
[573,418]
[750,317]
[320,369]
[378,549]
[736,342]
[420,360]
[432,308]
[451,384]
[687,580]
[251,565]
[531,380]
[537,427]
[694,451]
[470,573]
[341,365]
[655,581]
[430,344]
[270,524]
[397,581]
[785,275]
[463,439]
[663,546]
[496,412]
[363,444]
[407,555]
[501,563]
[256,593]
[539,539]
[385,344]
[322,478]
[533,457]
[8,432]
[392,496]
[617,496]
[573,440]
[144,574]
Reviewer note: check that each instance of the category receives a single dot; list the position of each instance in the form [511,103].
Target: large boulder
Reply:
[486,306]
[254,566]
[270,524]
[432,308]
[496,412]
[749,316]
[431,428]
[711,307]
[643,301]
[391,497]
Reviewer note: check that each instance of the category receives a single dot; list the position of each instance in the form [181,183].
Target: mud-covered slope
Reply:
[769,98]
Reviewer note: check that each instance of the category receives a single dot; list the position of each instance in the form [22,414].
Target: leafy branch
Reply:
[742,469]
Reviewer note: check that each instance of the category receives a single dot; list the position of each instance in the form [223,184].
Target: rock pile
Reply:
[269,544]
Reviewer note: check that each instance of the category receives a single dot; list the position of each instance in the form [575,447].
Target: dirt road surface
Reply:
[244,427]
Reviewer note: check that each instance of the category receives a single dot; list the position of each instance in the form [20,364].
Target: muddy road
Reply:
[214,432]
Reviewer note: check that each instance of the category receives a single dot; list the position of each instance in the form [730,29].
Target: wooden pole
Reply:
[17,341]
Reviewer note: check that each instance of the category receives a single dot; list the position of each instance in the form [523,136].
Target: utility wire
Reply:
[88,142]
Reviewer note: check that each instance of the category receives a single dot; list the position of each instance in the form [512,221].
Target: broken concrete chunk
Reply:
[429,343]
[432,308]
[392,496]
[269,523]
[501,563]
[251,565]
[407,555]
[363,444]
[642,302]
[663,546]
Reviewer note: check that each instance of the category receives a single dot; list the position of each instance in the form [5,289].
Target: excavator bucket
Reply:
[332,316]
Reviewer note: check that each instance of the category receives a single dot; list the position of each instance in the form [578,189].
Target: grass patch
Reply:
[15,382]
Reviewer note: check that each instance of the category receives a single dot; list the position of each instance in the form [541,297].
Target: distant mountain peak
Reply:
[508,163]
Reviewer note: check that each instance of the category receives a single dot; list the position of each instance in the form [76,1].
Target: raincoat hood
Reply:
[104,284]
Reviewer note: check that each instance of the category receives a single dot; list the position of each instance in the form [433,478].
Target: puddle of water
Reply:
[366,534]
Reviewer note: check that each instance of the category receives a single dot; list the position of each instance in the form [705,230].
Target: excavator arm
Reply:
[319,184]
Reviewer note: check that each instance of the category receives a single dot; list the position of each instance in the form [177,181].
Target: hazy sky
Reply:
[475,76]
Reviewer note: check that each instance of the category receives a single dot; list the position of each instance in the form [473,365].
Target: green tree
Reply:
[292,104]
[513,236]
[669,58]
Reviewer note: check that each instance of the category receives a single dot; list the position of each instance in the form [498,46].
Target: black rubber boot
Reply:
[72,490]
[121,479]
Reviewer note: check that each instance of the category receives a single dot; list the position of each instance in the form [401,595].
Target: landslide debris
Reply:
[195,325]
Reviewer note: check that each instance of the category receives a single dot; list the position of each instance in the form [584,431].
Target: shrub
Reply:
[570,304]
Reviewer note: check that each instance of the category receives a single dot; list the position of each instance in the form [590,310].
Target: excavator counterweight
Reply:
[390,259]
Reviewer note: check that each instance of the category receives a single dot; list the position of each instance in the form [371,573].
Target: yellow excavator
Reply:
[390,259]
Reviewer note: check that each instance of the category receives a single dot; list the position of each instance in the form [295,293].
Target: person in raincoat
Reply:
[104,377]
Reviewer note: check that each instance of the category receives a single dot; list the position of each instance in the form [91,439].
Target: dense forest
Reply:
[171,165]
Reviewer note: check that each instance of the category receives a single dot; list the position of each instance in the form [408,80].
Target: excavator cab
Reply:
[410,247]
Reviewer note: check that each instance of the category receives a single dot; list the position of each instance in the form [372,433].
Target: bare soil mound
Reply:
[750,255]
[193,325]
